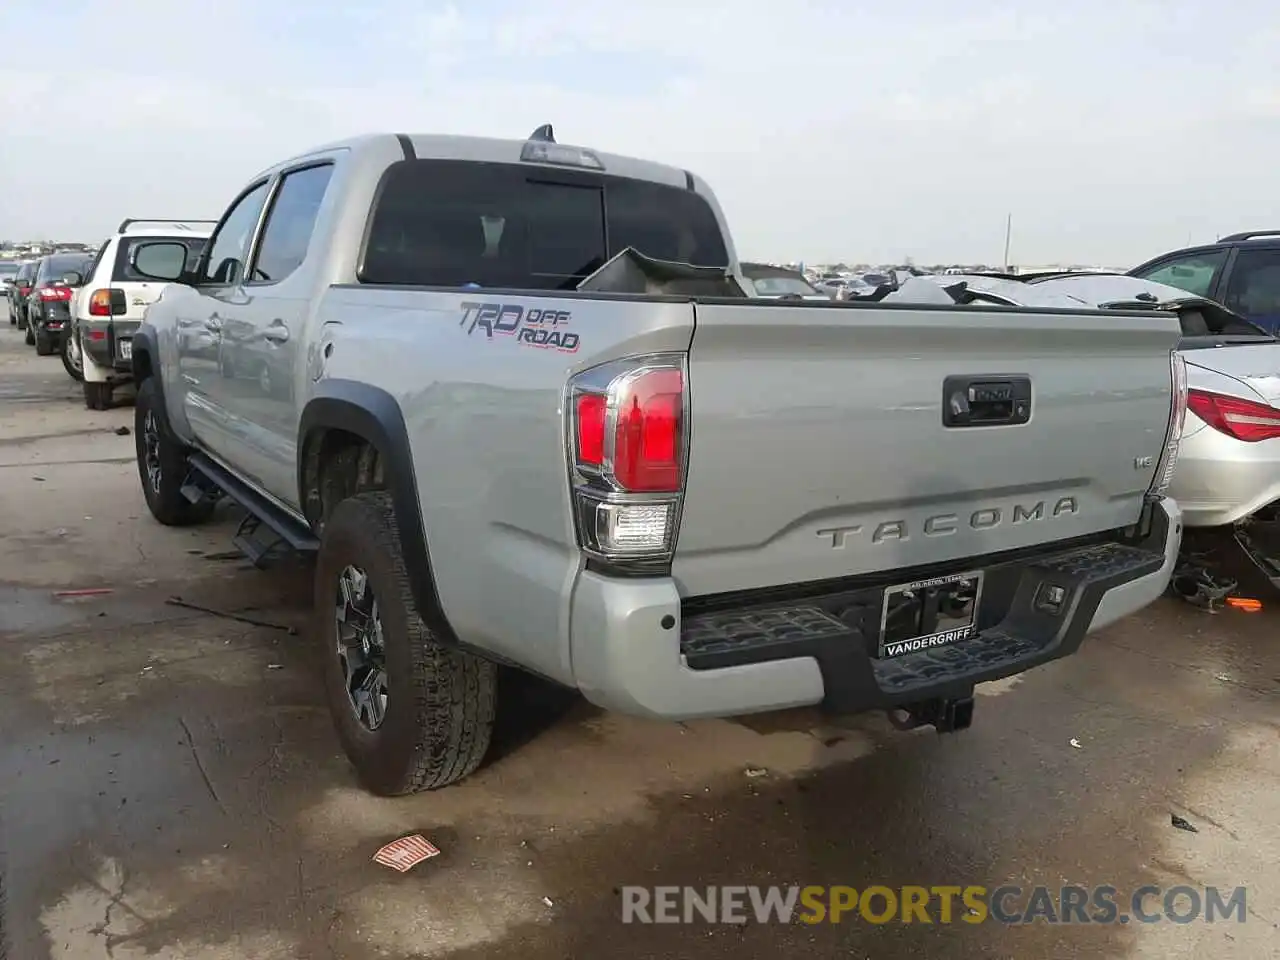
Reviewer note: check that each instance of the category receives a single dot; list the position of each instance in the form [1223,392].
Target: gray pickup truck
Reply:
[514,396]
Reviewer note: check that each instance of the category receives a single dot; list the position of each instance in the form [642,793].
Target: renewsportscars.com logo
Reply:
[971,904]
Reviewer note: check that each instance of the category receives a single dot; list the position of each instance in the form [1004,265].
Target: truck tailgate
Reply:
[818,447]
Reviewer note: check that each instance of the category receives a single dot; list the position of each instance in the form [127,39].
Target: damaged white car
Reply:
[1228,466]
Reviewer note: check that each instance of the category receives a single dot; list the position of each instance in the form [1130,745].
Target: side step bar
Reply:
[262,512]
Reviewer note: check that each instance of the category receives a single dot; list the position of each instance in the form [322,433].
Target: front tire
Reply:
[30,338]
[72,357]
[411,712]
[162,462]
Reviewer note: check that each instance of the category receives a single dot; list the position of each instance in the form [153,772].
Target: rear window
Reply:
[8,269]
[782,286]
[56,267]
[122,272]
[450,223]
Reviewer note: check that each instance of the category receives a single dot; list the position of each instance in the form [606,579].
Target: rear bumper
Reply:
[49,319]
[100,340]
[1219,480]
[724,658]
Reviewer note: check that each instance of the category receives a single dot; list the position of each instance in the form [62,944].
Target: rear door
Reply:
[820,446]
[1253,287]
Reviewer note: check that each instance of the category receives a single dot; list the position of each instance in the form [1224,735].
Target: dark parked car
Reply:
[49,304]
[19,292]
[1242,272]
[8,270]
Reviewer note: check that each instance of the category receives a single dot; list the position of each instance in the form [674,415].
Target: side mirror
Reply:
[160,260]
[72,279]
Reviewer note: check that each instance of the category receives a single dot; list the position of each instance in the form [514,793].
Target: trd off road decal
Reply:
[531,326]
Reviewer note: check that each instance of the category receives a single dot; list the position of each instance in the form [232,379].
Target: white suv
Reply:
[107,309]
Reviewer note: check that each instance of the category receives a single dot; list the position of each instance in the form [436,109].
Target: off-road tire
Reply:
[440,699]
[65,353]
[44,345]
[165,499]
[97,396]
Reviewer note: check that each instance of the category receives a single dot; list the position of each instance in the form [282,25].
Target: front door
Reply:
[1196,272]
[214,303]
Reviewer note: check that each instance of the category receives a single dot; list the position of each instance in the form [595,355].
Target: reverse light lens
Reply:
[621,530]
[1244,420]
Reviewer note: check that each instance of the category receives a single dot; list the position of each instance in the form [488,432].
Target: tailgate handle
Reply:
[986,400]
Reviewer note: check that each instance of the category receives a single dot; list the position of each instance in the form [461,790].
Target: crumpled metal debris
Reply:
[1197,580]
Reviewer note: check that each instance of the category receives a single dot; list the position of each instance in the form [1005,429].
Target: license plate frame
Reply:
[125,349]
[945,627]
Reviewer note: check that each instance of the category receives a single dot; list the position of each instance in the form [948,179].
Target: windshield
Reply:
[781,286]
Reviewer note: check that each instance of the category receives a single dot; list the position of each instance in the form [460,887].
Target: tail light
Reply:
[100,303]
[55,293]
[1242,419]
[1177,422]
[24,291]
[628,431]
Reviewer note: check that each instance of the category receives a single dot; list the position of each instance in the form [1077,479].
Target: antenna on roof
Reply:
[544,134]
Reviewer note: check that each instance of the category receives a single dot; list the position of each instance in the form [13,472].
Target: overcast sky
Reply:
[830,130]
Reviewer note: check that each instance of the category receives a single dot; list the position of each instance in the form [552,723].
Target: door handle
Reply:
[277,332]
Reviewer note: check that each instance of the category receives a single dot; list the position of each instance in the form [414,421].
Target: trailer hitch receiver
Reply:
[945,714]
